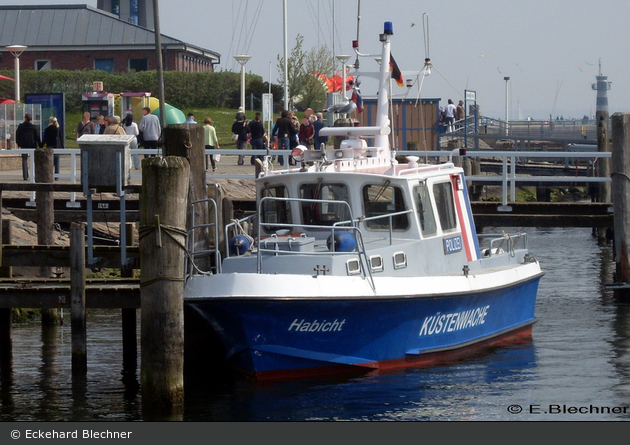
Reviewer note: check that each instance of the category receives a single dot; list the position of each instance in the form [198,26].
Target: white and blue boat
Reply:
[357,261]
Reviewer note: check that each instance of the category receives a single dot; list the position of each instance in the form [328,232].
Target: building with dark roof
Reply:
[78,37]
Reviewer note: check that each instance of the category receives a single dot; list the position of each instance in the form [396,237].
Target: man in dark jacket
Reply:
[239,128]
[27,136]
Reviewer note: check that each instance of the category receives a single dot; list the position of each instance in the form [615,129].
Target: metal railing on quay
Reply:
[507,176]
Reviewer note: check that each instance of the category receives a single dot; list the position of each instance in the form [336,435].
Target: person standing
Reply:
[318,125]
[114,126]
[284,131]
[150,129]
[306,132]
[449,115]
[52,139]
[131,128]
[256,131]
[460,113]
[239,128]
[100,126]
[190,119]
[86,126]
[210,141]
[27,136]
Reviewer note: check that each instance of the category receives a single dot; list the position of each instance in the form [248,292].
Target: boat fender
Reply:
[239,245]
[343,242]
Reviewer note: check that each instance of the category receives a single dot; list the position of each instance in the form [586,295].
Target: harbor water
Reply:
[575,366]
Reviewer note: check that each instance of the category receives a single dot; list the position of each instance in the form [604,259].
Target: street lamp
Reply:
[242,59]
[343,59]
[16,50]
[507,116]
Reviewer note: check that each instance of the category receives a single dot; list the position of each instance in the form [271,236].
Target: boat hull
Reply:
[277,338]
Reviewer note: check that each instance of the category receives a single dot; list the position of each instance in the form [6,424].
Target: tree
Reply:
[305,88]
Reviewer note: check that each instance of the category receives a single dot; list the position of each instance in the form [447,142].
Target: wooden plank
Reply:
[59,256]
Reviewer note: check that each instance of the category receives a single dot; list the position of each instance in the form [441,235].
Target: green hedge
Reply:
[182,90]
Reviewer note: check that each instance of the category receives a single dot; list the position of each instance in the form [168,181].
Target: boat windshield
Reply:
[380,200]
[274,211]
[324,213]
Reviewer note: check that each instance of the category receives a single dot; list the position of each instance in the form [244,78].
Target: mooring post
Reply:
[6,317]
[621,195]
[603,166]
[77,300]
[45,216]
[163,201]
[186,140]
[129,325]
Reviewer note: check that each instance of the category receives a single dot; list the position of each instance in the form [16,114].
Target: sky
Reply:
[551,50]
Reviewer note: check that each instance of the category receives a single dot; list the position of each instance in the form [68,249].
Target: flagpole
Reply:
[286,58]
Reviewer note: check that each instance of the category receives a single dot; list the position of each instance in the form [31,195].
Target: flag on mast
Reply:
[396,73]
[356,98]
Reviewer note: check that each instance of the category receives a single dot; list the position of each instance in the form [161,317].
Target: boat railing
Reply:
[418,168]
[390,223]
[288,230]
[205,245]
[503,243]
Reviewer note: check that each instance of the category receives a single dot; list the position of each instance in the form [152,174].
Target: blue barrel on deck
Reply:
[343,242]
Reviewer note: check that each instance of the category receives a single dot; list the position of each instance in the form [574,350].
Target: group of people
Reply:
[450,114]
[147,133]
[286,134]
[27,136]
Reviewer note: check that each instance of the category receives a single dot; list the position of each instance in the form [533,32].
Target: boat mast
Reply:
[382,108]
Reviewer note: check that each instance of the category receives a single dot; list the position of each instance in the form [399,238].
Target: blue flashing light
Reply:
[388,28]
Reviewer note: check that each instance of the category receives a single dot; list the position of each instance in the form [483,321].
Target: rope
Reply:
[171,232]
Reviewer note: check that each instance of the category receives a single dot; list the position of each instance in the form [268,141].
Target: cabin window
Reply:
[426,216]
[376,263]
[443,193]
[380,201]
[325,212]
[400,260]
[275,211]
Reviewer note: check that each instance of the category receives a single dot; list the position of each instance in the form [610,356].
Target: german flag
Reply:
[396,73]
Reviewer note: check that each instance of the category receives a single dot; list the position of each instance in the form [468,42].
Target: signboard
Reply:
[97,86]
[267,107]
[471,95]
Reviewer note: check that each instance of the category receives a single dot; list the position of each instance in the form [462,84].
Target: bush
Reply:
[182,90]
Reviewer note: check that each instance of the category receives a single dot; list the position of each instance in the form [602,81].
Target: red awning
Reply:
[6,78]
[6,101]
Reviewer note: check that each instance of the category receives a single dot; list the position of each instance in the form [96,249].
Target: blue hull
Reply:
[281,338]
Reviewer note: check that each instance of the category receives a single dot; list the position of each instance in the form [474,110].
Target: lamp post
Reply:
[16,50]
[242,59]
[343,59]
[507,116]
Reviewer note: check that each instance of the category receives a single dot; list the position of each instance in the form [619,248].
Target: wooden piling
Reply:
[603,166]
[77,300]
[621,194]
[186,140]
[162,242]
[45,216]
[129,325]
[6,314]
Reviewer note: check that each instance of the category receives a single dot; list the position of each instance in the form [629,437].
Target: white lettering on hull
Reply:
[316,325]
[454,321]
